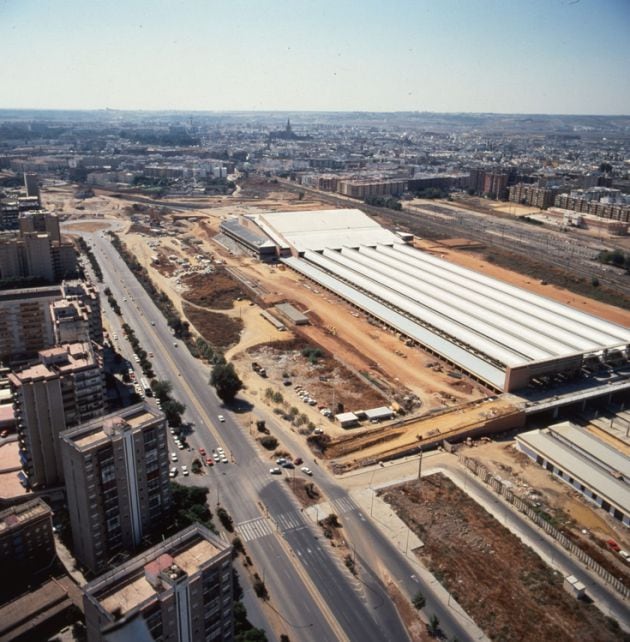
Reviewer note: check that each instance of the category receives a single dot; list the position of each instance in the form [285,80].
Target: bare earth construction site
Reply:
[452,354]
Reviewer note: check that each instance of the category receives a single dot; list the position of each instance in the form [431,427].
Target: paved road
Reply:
[296,565]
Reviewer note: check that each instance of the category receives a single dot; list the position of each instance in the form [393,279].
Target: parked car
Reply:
[209,461]
[221,418]
[173,456]
[613,546]
[275,471]
[306,470]
[298,460]
[173,472]
[185,470]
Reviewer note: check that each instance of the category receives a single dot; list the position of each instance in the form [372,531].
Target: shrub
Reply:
[269,442]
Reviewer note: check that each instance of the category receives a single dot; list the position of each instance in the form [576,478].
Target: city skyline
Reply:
[481,57]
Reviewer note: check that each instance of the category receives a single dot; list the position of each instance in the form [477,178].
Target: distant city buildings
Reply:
[527,194]
[182,588]
[116,473]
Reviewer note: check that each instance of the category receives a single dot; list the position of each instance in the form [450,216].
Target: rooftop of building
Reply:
[30,293]
[22,513]
[63,359]
[148,575]
[104,429]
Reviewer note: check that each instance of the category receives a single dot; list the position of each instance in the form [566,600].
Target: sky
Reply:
[502,56]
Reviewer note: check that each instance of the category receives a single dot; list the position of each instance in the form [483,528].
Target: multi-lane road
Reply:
[315,595]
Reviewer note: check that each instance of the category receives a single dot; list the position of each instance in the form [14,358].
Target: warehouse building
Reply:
[588,465]
[501,335]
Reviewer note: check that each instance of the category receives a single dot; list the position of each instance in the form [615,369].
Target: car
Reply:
[625,556]
[185,471]
[4,433]
[174,344]
[173,456]
[288,464]
[306,470]
[180,445]
[275,471]
[209,461]
[152,322]
[298,460]
[173,432]
[221,418]
[224,460]
[220,450]
[202,451]
[173,472]
[124,299]
[280,461]
[216,457]
[613,546]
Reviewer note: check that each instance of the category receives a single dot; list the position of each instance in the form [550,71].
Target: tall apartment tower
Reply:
[63,389]
[182,588]
[31,184]
[116,473]
[43,222]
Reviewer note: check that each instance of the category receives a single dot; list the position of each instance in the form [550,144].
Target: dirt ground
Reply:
[588,526]
[385,442]
[501,583]
[299,485]
[365,347]
[219,330]
[217,290]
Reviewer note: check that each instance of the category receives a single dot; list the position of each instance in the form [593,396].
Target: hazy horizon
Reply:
[543,57]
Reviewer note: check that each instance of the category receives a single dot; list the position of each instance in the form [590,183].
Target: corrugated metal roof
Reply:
[319,229]
[585,472]
[448,349]
[592,448]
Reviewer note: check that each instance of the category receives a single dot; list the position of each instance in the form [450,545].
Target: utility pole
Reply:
[420,465]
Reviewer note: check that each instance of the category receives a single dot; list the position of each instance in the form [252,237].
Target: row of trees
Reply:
[615,257]
[145,364]
[112,302]
[181,328]
[85,249]
[389,202]
[172,409]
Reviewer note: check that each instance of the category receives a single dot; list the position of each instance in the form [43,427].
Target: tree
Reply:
[173,410]
[225,381]
[434,625]
[161,389]
[419,600]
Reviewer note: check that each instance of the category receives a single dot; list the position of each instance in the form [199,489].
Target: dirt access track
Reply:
[502,584]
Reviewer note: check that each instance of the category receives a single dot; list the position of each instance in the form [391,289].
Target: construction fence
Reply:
[487,477]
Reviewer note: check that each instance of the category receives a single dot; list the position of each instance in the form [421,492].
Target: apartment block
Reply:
[43,222]
[364,188]
[116,471]
[25,321]
[30,319]
[542,197]
[182,588]
[62,389]
[26,538]
[38,250]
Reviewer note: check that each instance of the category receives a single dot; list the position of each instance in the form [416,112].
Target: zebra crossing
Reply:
[343,505]
[262,526]
[254,528]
